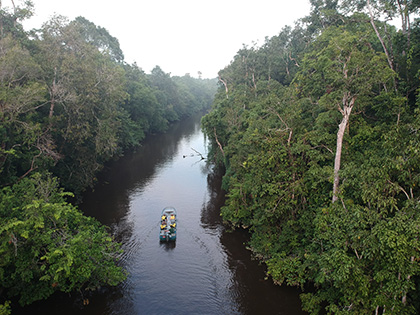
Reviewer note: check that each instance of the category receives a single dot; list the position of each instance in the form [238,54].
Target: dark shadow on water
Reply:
[167,245]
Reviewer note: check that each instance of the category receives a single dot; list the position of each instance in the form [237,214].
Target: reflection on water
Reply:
[207,271]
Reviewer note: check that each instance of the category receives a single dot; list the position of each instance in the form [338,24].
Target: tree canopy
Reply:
[317,131]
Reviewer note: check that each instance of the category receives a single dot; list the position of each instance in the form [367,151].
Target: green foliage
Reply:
[273,126]
[5,308]
[47,245]
[100,38]
[68,104]
[21,93]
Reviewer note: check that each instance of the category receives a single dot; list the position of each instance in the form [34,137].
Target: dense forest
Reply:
[318,131]
[68,104]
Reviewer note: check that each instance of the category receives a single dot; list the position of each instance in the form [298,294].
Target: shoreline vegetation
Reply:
[318,130]
[68,104]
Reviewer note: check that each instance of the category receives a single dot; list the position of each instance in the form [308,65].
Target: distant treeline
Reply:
[68,104]
[319,132]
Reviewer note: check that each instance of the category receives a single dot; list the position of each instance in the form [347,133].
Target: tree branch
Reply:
[218,143]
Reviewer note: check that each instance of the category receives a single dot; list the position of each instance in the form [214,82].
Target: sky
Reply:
[180,36]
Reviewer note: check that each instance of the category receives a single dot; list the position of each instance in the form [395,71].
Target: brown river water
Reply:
[208,270]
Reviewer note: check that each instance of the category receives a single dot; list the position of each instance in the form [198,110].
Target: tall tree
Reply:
[10,18]
[84,100]
[23,141]
[100,38]
[342,72]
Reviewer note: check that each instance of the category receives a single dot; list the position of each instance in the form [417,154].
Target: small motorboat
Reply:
[168,221]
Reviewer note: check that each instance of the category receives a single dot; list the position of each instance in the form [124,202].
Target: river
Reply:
[208,270]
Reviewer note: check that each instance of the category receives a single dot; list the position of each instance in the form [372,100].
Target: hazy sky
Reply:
[181,36]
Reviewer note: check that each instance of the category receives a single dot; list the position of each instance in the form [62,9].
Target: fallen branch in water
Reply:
[202,157]
[198,153]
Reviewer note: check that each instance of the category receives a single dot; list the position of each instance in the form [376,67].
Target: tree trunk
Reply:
[345,111]
[372,22]
[14,14]
[226,87]
[1,23]
[52,94]
[218,143]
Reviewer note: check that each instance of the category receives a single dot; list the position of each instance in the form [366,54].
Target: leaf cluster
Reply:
[48,245]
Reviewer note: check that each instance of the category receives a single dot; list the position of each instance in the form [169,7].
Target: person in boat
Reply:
[163,222]
[172,216]
[173,225]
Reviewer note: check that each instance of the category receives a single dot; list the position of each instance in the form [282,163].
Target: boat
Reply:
[168,224]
